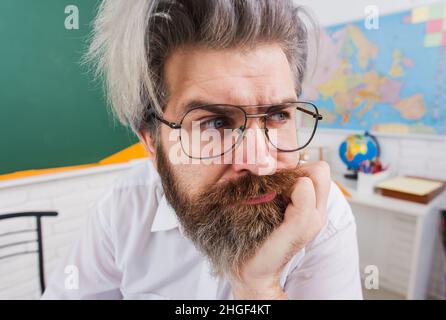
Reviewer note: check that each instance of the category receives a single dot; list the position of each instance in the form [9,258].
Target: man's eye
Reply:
[279,116]
[215,123]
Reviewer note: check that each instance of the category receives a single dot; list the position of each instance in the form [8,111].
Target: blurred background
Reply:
[378,77]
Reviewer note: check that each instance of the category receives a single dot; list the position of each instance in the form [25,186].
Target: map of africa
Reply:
[391,79]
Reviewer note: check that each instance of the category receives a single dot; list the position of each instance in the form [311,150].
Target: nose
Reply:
[254,153]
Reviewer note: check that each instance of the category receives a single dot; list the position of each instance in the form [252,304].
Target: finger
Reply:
[319,173]
[303,196]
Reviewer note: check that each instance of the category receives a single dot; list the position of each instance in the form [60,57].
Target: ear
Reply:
[148,144]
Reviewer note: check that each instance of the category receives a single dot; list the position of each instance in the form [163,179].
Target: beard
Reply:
[220,222]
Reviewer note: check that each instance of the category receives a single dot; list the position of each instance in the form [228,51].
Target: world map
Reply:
[391,79]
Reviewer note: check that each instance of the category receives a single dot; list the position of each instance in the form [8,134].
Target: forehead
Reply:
[260,75]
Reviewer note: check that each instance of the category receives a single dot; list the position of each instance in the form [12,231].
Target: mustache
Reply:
[240,190]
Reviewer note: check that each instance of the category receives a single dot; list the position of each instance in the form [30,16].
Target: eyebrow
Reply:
[200,103]
[194,104]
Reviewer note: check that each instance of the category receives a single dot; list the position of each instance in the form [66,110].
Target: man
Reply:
[224,209]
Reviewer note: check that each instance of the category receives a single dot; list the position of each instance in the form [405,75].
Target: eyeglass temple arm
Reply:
[172,125]
[315,115]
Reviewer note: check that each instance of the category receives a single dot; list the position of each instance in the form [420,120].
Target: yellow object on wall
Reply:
[135,151]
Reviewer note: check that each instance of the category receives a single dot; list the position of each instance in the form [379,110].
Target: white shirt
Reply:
[133,248]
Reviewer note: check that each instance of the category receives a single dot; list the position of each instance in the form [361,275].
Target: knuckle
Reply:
[303,184]
[322,167]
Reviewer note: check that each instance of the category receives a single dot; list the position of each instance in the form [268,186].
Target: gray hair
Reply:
[133,38]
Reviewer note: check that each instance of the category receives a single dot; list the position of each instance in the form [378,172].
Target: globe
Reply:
[357,148]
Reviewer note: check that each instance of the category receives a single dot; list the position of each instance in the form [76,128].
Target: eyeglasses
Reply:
[210,131]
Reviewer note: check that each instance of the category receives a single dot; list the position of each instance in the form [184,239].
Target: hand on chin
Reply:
[304,217]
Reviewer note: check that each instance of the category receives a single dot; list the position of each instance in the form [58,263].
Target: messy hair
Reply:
[132,40]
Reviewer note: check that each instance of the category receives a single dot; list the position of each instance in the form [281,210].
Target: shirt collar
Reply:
[165,217]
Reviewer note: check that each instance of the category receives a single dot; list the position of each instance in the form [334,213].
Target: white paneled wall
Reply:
[408,154]
[71,195]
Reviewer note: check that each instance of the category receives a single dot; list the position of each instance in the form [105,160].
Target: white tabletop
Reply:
[387,203]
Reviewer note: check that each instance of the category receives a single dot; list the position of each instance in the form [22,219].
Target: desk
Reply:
[398,237]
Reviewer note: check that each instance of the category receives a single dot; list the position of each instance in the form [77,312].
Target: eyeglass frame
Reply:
[316,115]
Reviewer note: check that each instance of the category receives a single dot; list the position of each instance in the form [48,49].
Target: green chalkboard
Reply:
[52,114]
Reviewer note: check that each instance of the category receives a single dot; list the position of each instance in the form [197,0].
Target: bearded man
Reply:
[224,208]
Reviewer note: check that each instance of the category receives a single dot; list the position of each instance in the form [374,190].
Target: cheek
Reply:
[171,146]
[287,160]
[192,177]
[168,137]
[195,178]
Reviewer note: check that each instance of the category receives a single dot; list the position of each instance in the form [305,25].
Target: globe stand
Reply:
[352,176]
